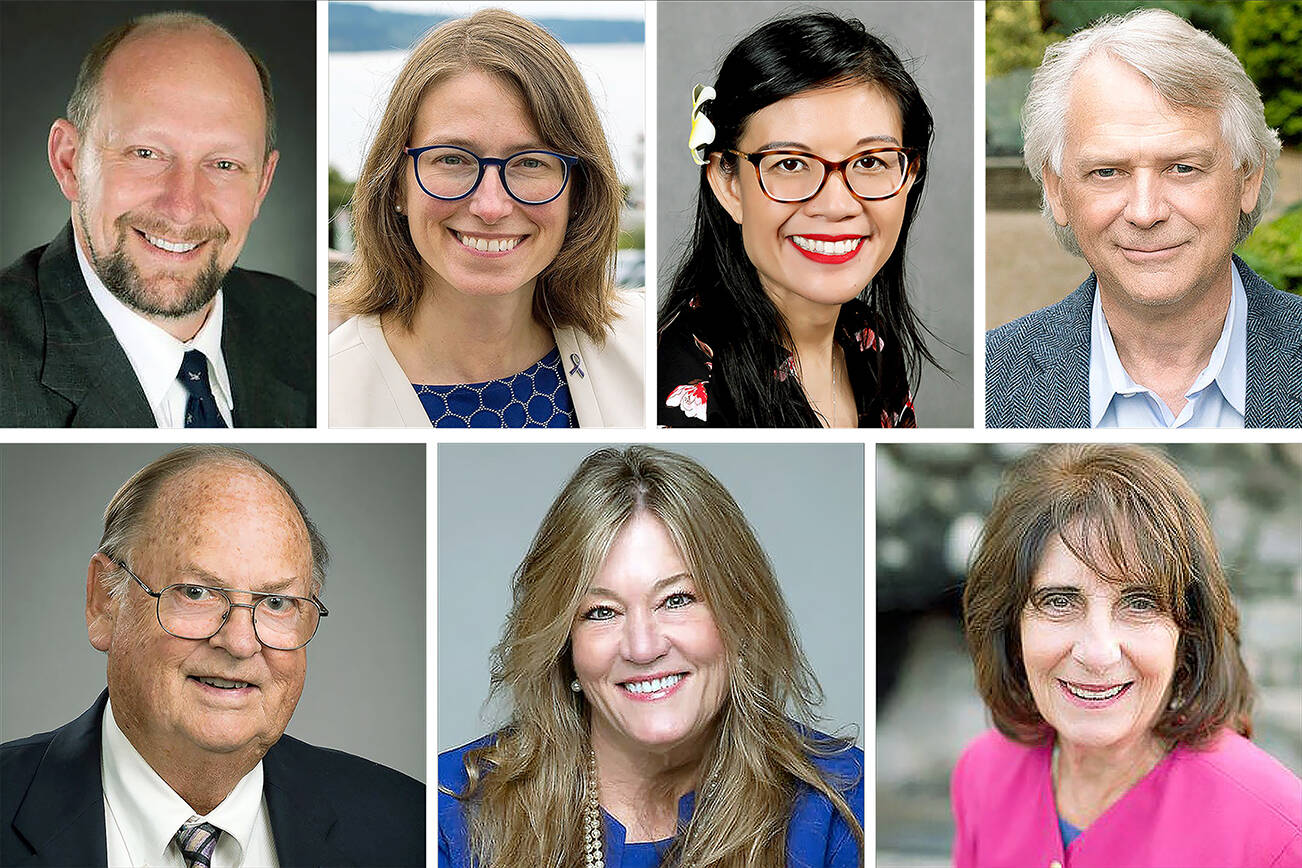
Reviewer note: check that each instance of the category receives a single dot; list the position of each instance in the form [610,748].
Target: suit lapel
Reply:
[1064,358]
[1274,370]
[261,400]
[83,361]
[300,824]
[62,813]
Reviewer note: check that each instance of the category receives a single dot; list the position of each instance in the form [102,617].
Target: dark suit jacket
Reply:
[61,366]
[326,807]
[1038,366]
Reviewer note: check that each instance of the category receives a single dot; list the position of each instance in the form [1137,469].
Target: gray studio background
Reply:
[365,690]
[41,47]
[934,40]
[804,501]
[931,502]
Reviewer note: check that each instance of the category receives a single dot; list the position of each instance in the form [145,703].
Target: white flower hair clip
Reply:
[702,130]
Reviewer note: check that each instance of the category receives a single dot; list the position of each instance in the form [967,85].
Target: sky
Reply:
[618,9]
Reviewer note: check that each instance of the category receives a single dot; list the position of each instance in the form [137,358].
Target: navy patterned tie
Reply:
[200,407]
[197,841]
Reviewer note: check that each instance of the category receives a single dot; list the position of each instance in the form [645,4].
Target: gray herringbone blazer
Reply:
[1038,366]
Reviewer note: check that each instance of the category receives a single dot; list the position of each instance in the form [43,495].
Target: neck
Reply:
[1088,781]
[459,338]
[641,788]
[812,329]
[202,779]
[1165,347]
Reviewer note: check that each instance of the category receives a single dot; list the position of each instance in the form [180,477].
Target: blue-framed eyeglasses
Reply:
[450,173]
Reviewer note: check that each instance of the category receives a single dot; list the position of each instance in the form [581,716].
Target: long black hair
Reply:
[782,58]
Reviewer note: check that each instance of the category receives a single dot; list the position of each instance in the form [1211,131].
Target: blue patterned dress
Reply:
[537,397]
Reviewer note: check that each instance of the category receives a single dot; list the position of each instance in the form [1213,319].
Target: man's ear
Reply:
[1053,195]
[268,172]
[725,186]
[1251,190]
[101,609]
[63,146]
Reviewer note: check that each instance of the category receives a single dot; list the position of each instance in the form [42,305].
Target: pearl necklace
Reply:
[593,851]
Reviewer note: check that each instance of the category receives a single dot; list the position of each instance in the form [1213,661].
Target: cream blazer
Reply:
[368,388]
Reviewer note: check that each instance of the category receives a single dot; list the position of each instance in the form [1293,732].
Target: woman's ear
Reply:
[725,186]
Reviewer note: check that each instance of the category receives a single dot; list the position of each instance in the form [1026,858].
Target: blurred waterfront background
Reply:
[369,42]
[931,502]
[1025,268]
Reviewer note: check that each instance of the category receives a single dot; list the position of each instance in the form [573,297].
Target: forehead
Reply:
[642,554]
[835,118]
[1112,105]
[474,108]
[194,83]
[1059,566]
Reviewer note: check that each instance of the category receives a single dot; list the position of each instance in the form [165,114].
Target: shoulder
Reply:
[684,369]
[349,776]
[1054,323]
[452,764]
[1264,300]
[347,341]
[818,833]
[994,764]
[264,293]
[18,280]
[1234,768]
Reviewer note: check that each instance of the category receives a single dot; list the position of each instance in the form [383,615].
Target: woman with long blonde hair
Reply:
[486,217]
[661,705]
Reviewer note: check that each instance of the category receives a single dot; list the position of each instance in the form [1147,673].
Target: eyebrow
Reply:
[597,591]
[274,586]
[475,147]
[866,140]
[1197,155]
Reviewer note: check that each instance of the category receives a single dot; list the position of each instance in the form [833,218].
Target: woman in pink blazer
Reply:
[1106,645]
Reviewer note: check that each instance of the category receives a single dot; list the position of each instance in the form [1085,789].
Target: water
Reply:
[360,83]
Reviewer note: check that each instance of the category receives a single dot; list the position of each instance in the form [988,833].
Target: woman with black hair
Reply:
[789,307]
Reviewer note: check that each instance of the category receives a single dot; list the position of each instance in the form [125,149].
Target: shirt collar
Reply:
[154,354]
[148,812]
[1227,367]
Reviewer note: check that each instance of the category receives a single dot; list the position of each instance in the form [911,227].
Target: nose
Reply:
[490,202]
[181,197]
[1097,646]
[834,201]
[1146,204]
[644,640]
[237,635]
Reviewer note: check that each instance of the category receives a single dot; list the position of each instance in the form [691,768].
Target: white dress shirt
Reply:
[156,356]
[1214,400]
[142,813]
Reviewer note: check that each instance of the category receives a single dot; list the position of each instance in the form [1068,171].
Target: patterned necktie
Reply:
[197,841]
[200,407]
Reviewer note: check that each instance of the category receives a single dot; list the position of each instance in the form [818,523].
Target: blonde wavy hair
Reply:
[577,288]
[527,789]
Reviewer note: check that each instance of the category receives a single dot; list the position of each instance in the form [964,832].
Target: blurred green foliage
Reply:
[1274,250]
[338,193]
[1268,39]
[632,239]
[1014,36]
[1214,16]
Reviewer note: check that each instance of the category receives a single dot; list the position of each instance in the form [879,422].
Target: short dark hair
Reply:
[84,102]
[1128,514]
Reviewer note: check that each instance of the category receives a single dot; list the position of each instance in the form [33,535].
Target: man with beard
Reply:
[134,316]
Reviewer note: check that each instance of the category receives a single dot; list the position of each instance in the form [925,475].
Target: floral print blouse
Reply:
[877,374]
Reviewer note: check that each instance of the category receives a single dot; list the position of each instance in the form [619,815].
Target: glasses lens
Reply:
[535,176]
[191,611]
[878,174]
[285,622]
[447,172]
[790,177]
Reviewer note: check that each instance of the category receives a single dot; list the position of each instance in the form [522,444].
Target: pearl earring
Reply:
[575,686]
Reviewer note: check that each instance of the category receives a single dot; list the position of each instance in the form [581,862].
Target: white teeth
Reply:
[655,685]
[488,245]
[174,247]
[1092,694]
[827,248]
[223,683]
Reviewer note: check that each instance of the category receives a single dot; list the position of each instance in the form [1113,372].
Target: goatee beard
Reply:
[122,278]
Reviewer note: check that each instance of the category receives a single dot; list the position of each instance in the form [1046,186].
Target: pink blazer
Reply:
[1230,805]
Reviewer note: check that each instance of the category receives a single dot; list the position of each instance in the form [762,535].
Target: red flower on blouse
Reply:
[690,398]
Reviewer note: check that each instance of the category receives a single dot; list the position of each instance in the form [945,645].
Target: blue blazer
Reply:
[1038,366]
[326,807]
[817,837]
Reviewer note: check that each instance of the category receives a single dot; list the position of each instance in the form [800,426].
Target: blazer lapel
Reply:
[1064,358]
[575,366]
[1274,370]
[300,824]
[261,400]
[83,361]
[62,813]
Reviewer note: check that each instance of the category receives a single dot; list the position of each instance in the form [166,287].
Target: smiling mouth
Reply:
[169,246]
[488,245]
[1095,693]
[826,246]
[653,686]
[221,683]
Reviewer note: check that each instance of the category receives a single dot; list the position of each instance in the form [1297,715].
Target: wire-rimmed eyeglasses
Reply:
[449,172]
[797,176]
[189,611]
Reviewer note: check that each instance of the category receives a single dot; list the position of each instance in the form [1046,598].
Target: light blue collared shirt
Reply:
[1214,400]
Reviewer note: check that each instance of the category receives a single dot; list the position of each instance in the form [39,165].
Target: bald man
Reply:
[203,594]
[135,316]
